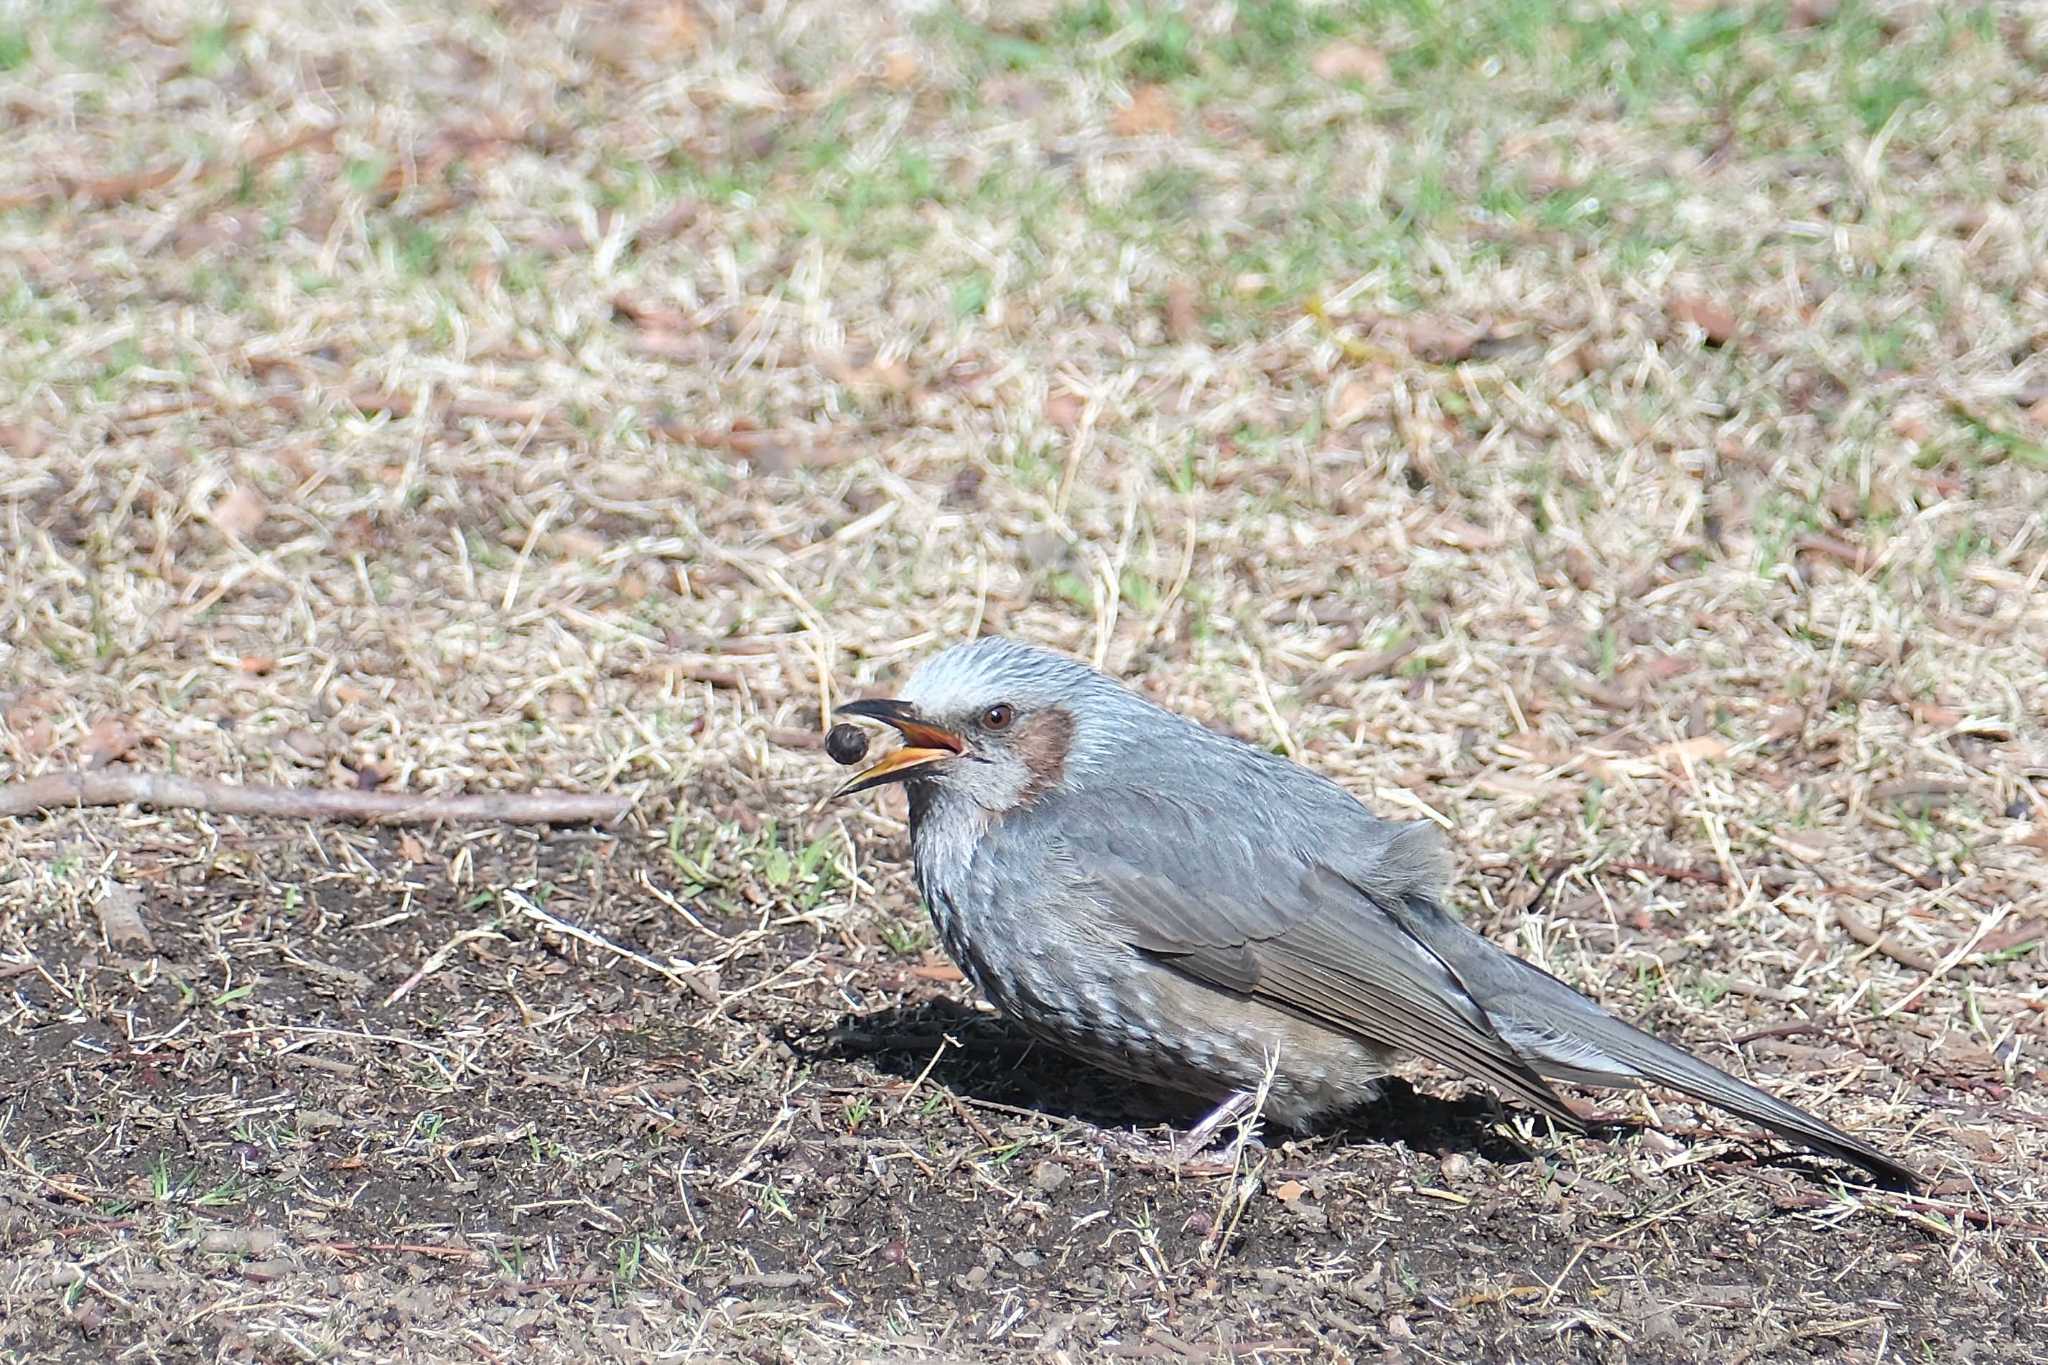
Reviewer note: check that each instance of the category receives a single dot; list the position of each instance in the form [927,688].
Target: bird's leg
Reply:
[1233,1108]
[1184,1154]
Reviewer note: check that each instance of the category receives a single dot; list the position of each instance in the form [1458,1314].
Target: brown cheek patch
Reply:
[1042,742]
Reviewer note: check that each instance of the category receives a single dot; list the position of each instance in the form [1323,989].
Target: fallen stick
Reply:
[1706,876]
[403,1248]
[117,786]
[1983,1218]
[577,931]
[1853,925]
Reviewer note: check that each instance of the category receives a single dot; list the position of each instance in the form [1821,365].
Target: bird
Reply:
[1190,911]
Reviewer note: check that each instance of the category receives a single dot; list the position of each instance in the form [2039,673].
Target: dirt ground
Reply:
[1616,432]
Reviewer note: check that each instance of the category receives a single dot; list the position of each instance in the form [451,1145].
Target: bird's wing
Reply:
[1228,901]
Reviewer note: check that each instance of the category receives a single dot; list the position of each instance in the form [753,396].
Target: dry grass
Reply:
[1620,435]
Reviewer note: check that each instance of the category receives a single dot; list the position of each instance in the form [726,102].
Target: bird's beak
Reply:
[923,744]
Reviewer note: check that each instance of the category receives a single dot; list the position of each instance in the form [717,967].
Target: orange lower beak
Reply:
[926,744]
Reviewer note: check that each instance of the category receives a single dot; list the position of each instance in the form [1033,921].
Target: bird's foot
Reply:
[1233,1110]
[1184,1155]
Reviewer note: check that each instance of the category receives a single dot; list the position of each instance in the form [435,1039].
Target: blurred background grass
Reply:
[525,334]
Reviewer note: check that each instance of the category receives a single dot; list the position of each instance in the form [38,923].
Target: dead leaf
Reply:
[891,376]
[2038,413]
[675,31]
[1805,850]
[34,739]
[1439,342]
[1698,749]
[411,847]
[1832,547]
[307,746]
[2022,934]
[1019,94]
[900,69]
[1786,721]
[1935,716]
[677,348]
[110,740]
[1350,402]
[1715,322]
[614,45]
[652,316]
[238,511]
[120,915]
[1362,666]
[27,722]
[1611,697]
[768,452]
[1287,1191]
[1514,785]
[937,971]
[1182,323]
[1665,667]
[1584,362]
[1463,535]
[1342,61]
[1064,410]
[1986,1147]
[573,543]
[25,441]
[1150,111]
[669,223]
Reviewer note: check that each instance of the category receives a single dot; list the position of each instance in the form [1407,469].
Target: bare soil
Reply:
[232,1148]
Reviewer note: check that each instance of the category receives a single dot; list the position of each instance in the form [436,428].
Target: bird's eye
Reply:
[998,717]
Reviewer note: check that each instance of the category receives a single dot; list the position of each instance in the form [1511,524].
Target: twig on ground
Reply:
[1948,963]
[988,1139]
[562,926]
[944,1043]
[403,1248]
[1870,938]
[1706,875]
[1787,1031]
[119,786]
[438,959]
[1551,878]
[1899,1203]
[1354,670]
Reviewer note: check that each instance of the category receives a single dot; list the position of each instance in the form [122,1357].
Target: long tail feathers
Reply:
[1567,1037]
[1643,1058]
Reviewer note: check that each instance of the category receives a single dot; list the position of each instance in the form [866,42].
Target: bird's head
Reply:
[993,722]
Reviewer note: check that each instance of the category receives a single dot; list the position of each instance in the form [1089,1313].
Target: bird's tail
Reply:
[1567,1037]
[1597,1048]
